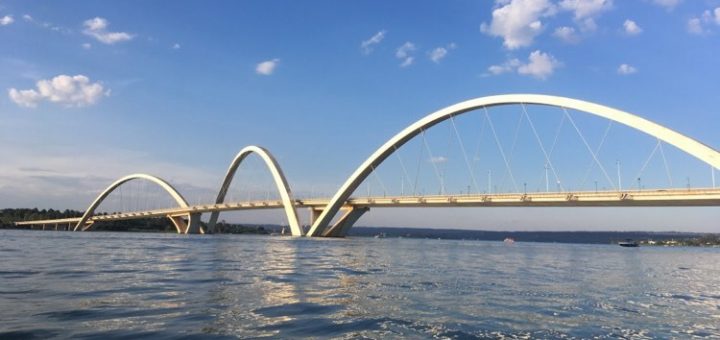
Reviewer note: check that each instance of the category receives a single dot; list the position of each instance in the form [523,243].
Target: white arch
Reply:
[278,177]
[684,143]
[165,185]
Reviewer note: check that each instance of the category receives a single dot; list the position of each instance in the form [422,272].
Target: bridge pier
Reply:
[191,226]
[342,226]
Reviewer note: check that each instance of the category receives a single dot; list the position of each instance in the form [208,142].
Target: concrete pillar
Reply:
[194,224]
[191,226]
[314,214]
[341,228]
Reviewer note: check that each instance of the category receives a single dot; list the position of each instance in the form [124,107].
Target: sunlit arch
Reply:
[280,182]
[82,224]
[682,142]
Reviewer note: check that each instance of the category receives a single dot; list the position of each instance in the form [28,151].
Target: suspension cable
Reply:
[554,144]
[476,157]
[547,158]
[588,148]
[499,145]
[402,165]
[462,148]
[432,161]
[597,151]
[667,168]
[647,161]
[378,179]
[417,171]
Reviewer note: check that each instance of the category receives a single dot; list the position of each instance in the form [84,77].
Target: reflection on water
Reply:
[100,285]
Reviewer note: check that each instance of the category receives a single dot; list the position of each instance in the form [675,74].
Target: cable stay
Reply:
[500,148]
[542,147]
[377,178]
[404,169]
[552,150]
[667,168]
[516,134]
[476,157]
[417,171]
[594,156]
[597,152]
[658,146]
[462,148]
[433,161]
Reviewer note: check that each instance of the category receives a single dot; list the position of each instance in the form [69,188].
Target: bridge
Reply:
[334,216]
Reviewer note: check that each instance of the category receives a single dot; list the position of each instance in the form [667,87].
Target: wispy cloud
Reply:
[540,65]
[567,34]
[438,159]
[97,28]
[404,53]
[267,67]
[625,69]
[439,53]
[367,46]
[698,25]
[6,20]
[668,4]
[631,27]
[70,91]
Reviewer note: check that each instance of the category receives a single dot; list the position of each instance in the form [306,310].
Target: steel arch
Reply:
[682,142]
[278,177]
[162,183]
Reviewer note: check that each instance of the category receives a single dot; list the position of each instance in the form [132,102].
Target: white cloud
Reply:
[368,45]
[631,27]
[97,28]
[697,25]
[518,21]
[267,67]
[540,65]
[70,91]
[87,46]
[585,8]
[694,26]
[566,34]
[404,53]
[27,17]
[669,4]
[176,46]
[626,69]
[440,53]
[508,66]
[6,20]
[438,159]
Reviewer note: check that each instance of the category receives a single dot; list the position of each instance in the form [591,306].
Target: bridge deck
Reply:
[649,198]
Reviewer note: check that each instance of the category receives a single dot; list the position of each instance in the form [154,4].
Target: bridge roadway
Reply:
[648,198]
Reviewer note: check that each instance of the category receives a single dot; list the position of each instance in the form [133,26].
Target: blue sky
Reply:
[95,90]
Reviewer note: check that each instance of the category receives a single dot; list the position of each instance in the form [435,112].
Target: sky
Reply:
[91,91]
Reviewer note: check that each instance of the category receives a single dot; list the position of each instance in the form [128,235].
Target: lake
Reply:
[99,285]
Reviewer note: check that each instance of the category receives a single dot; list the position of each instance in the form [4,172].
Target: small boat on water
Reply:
[628,243]
[509,240]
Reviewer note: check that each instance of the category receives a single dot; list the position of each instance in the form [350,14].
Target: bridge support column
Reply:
[314,214]
[341,228]
[191,226]
[194,224]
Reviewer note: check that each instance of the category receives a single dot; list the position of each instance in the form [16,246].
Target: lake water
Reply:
[130,285]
